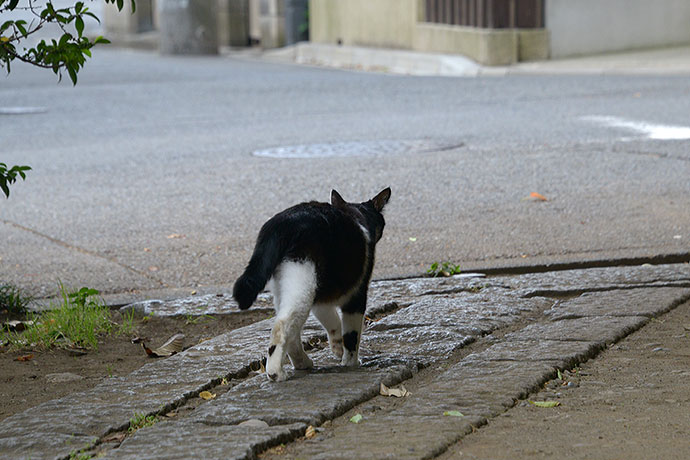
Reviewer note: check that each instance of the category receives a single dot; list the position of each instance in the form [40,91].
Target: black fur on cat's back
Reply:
[329,235]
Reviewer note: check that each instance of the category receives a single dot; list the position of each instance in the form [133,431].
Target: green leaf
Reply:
[12,5]
[72,75]
[79,25]
[453,413]
[356,418]
[545,403]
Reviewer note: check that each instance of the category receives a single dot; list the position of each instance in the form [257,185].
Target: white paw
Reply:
[274,369]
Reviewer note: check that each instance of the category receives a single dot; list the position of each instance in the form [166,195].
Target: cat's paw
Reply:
[274,369]
[350,360]
[279,376]
[337,347]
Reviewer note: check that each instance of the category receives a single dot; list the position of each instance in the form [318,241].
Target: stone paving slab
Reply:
[443,315]
[628,302]
[597,279]
[464,312]
[191,439]
[308,397]
[392,437]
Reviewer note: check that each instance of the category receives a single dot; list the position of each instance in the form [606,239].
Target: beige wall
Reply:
[397,24]
[383,23]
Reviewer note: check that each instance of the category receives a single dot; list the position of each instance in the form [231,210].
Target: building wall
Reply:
[379,23]
[579,27]
[398,24]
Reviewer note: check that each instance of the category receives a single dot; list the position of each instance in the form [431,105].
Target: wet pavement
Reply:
[470,346]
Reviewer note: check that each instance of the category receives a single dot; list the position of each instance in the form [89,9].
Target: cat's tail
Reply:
[266,257]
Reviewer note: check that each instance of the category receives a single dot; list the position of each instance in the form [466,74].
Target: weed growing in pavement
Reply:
[13,299]
[77,320]
[443,269]
[127,326]
[80,456]
[139,421]
[194,319]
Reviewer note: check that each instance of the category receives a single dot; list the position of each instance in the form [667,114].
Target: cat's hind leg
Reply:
[352,321]
[295,286]
[329,319]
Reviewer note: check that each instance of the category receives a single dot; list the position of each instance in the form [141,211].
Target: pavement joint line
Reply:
[85,251]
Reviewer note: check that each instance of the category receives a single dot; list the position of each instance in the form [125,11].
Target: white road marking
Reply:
[649,130]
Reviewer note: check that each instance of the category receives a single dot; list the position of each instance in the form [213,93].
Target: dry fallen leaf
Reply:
[171,414]
[453,413]
[175,235]
[356,418]
[538,196]
[310,433]
[397,392]
[24,358]
[207,395]
[169,348]
[545,403]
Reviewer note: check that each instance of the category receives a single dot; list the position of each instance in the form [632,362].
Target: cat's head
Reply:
[371,211]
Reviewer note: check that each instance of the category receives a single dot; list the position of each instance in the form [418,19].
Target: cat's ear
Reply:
[381,199]
[336,199]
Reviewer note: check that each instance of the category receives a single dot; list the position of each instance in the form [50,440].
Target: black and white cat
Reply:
[315,257]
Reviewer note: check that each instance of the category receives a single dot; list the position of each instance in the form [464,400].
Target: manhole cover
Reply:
[21,110]
[355,149]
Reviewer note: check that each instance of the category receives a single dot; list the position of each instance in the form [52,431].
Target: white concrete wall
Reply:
[598,26]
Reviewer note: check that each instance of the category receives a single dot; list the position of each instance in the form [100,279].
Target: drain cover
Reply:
[355,149]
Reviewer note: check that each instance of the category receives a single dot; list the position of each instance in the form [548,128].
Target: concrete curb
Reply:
[664,61]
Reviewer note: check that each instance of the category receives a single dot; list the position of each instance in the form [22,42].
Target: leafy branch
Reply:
[9,176]
[67,52]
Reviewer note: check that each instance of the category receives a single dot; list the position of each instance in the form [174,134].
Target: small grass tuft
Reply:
[77,320]
[13,299]
[443,269]
[139,421]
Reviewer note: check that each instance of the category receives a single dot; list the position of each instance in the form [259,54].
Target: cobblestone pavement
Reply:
[460,345]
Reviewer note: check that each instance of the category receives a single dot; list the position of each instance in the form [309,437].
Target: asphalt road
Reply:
[144,179]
